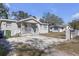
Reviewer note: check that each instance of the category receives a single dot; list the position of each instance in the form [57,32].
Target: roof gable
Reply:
[7,20]
[29,20]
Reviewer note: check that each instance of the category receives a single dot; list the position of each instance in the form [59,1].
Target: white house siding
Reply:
[74,33]
[14,29]
[12,26]
[26,30]
[61,30]
[58,30]
[53,30]
[43,28]
[3,26]
[77,32]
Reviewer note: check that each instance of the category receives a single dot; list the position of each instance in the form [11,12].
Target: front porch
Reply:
[28,28]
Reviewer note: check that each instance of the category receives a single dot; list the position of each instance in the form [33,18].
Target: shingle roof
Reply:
[27,19]
[56,26]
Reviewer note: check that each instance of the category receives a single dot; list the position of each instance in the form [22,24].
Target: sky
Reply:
[67,11]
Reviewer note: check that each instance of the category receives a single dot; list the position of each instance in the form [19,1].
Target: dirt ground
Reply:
[55,35]
[65,48]
[70,48]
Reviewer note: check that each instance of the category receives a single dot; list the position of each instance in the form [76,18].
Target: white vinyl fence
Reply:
[71,33]
[74,33]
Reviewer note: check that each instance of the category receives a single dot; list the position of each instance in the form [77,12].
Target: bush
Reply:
[3,51]
[8,33]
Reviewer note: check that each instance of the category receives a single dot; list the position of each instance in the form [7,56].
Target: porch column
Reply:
[38,28]
[22,29]
[30,29]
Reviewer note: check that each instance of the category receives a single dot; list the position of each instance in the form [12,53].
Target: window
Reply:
[55,28]
[8,24]
[45,26]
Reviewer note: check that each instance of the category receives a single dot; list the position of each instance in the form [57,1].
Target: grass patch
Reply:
[69,47]
[3,51]
[55,34]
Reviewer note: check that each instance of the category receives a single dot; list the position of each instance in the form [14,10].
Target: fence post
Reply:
[68,33]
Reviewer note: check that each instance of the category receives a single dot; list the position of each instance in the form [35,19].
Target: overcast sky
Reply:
[65,10]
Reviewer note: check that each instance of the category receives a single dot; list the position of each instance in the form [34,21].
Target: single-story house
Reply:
[56,28]
[23,27]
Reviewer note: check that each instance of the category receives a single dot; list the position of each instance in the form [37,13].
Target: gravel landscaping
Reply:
[36,43]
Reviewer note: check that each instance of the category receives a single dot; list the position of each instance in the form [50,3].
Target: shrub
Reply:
[3,51]
[8,33]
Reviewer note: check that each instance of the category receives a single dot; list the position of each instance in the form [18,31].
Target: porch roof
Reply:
[7,20]
[30,20]
[27,20]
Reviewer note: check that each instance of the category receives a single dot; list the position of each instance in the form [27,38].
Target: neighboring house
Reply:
[23,27]
[56,28]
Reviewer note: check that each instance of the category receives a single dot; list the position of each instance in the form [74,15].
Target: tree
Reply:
[32,16]
[42,20]
[51,19]
[20,15]
[74,24]
[3,11]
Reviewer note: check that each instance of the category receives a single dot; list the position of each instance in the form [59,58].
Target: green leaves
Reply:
[3,11]
[20,15]
[51,18]
[3,51]
[74,24]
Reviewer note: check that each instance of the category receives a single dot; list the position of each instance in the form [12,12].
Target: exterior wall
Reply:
[53,30]
[40,29]
[43,28]
[26,30]
[58,30]
[12,26]
[61,30]
[74,33]
[3,26]
[14,29]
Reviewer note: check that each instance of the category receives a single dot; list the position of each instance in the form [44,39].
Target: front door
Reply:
[34,27]
[31,28]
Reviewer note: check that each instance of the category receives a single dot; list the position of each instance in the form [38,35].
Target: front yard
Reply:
[38,46]
[55,34]
[70,47]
